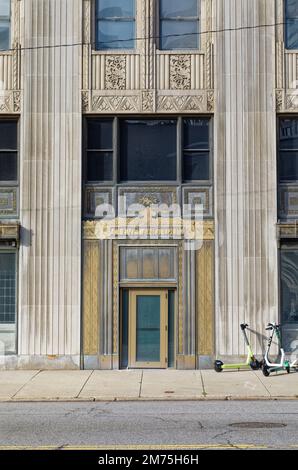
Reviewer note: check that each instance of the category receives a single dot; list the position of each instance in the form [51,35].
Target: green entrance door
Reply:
[148,328]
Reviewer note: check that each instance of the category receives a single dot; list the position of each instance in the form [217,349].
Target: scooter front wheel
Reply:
[218,366]
[265,370]
[255,365]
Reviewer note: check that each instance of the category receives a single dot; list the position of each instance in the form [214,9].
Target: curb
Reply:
[147,399]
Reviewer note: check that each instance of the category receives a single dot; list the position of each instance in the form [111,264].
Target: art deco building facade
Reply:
[125,102]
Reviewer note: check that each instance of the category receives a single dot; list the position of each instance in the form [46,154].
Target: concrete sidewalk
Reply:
[144,385]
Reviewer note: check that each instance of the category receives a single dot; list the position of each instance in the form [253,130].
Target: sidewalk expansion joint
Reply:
[24,385]
[84,384]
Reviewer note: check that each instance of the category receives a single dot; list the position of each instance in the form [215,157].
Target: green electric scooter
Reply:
[251,360]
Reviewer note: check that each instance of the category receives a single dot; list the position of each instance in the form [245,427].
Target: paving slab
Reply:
[233,384]
[113,385]
[281,384]
[171,384]
[54,384]
[11,382]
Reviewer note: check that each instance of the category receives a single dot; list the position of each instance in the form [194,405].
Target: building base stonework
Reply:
[40,362]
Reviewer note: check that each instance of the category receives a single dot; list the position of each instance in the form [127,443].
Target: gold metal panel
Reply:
[150,268]
[91,297]
[165,271]
[180,299]
[204,298]
[163,294]
[93,229]
[131,266]
[115,296]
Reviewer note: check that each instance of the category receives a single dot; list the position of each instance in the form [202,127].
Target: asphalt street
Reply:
[167,425]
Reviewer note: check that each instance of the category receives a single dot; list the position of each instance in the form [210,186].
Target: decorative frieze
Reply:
[288,202]
[116,103]
[96,197]
[146,197]
[197,196]
[180,103]
[93,228]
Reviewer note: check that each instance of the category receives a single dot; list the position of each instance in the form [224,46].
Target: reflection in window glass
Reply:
[288,150]
[179,24]
[4,24]
[7,303]
[99,165]
[8,151]
[148,150]
[196,161]
[289,297]
[291,29]
[115,21]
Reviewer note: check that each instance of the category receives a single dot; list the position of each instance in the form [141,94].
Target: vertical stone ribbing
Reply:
[245,171]
[50,254]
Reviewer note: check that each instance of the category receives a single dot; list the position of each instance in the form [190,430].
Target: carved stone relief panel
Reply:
[180,73]
[115,72]
[8,202]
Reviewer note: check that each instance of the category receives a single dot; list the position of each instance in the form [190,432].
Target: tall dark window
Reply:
[288,150]
[148,150]
[99,164]
[196,161]
[289,295]
[179,24]
[115,24]
[8,152]
[4,24]
[291,27]
[7,302]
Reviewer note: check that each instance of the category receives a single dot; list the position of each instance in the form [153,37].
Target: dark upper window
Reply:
[288,295]
[196,162]
[148,150]
[100,150]
[4,24]
[7,288]
[291,24]
[288,150]
[8,152]
[115,24]
[179,24]
[8,313]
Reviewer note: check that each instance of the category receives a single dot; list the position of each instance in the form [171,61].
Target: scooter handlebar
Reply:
[272,325]
[243,326]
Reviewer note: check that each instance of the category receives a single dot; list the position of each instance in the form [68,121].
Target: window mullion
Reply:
[179,150]
[116,150]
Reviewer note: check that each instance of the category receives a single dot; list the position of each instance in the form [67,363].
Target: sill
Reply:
[197,51]
[115,52]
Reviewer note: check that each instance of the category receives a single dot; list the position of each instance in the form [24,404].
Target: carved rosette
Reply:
[115,72]
[180,72]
